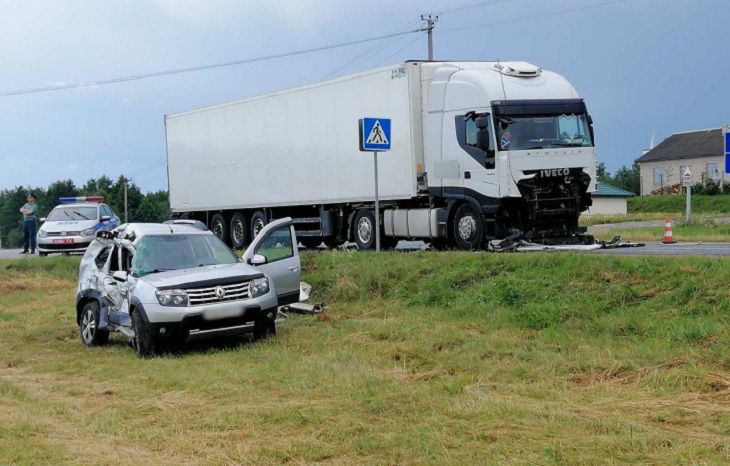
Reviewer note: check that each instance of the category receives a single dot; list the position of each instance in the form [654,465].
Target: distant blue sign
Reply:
[374,134]
[727,151]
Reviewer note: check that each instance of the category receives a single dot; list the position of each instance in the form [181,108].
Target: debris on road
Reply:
[515,243]
[305,291]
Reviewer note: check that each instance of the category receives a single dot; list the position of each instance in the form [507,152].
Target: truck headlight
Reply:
[87,232]
[259,287]
[176,298]
[42,233]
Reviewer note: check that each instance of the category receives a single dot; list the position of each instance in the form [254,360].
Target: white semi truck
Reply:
[480,151]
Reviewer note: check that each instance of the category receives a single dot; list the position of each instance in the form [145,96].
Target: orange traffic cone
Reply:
[668,235]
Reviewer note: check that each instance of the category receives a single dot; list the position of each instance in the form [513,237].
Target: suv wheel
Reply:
[265,325]
[89,326]
[143,342]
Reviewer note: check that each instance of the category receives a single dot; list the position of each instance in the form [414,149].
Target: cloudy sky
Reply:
[643,66]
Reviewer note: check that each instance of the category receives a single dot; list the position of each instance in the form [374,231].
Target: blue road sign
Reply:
[374,134]
[727,151]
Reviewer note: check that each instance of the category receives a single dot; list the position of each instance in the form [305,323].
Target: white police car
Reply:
[72,225]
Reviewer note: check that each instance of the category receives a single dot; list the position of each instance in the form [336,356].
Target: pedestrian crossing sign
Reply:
[374,134]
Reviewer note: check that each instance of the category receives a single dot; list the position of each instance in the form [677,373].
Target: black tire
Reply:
[144,342]
[265,325]
[311,242]
[363,229]
[219,227]
[89,324]
[467,228]
[258,221]
[238,231]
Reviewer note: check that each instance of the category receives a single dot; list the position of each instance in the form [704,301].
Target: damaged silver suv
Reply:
[165,284]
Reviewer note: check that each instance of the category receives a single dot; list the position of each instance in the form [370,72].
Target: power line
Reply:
[189,69]
[525,18]
[373,49]
[409,43]
[472,5]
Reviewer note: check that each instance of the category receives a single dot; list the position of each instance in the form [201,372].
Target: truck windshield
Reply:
[61,214]
[159,253]
[527,132]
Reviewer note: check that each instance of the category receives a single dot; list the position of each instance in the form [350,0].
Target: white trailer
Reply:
[479,150]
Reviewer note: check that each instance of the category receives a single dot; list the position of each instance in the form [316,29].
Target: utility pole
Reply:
[125,180]
[430,23]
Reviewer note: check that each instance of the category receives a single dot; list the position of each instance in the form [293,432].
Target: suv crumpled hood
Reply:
[210,275]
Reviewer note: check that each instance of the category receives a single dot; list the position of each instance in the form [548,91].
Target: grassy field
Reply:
[590,220]
[421,358]
[699,231]
[719,204]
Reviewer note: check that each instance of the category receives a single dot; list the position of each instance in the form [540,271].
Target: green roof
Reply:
[606,190]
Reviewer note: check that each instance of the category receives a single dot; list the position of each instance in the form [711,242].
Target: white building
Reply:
[609,200]
[702,151]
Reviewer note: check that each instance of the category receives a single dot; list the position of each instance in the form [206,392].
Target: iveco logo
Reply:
[220,292]
[554,172]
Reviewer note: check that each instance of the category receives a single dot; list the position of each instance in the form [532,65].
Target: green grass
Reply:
[700,229]
[421,358]
[590,220]
[719,204]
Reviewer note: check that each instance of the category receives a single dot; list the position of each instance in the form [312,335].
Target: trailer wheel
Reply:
[258,222]
[364,229]
[219,228]
[239,232]
[467,227]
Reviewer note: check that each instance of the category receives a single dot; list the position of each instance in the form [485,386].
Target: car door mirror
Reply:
[257,259]
[120,276]
[42,219]
[105,218]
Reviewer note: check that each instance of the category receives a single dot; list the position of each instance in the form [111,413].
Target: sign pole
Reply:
[377,203]
[688,210]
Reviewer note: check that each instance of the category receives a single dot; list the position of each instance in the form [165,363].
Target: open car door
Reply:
[274,252]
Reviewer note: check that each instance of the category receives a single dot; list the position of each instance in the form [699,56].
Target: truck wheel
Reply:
[364,229]
[144,342]
[468,228]
[89,326]
[219,228]
[258,222]
[239,232]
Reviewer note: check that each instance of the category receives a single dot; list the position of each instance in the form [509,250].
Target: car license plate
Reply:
[215,314]
[63,241]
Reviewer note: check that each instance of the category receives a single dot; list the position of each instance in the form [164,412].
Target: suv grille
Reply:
[208,295]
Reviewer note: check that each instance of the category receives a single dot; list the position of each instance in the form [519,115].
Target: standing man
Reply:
[29,211]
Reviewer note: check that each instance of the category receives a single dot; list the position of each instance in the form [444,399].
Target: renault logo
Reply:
[220,292]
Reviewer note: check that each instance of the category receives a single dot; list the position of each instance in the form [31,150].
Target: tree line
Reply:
[626,178]
[141,207]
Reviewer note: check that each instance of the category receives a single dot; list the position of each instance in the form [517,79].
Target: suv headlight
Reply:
[87,232]
[259,287]
[172,298]
[42,233]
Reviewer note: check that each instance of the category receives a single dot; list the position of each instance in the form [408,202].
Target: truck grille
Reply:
[209,295]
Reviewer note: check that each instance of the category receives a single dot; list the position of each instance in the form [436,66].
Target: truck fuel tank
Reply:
[415,223]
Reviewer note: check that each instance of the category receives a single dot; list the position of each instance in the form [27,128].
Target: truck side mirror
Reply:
[482,124]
